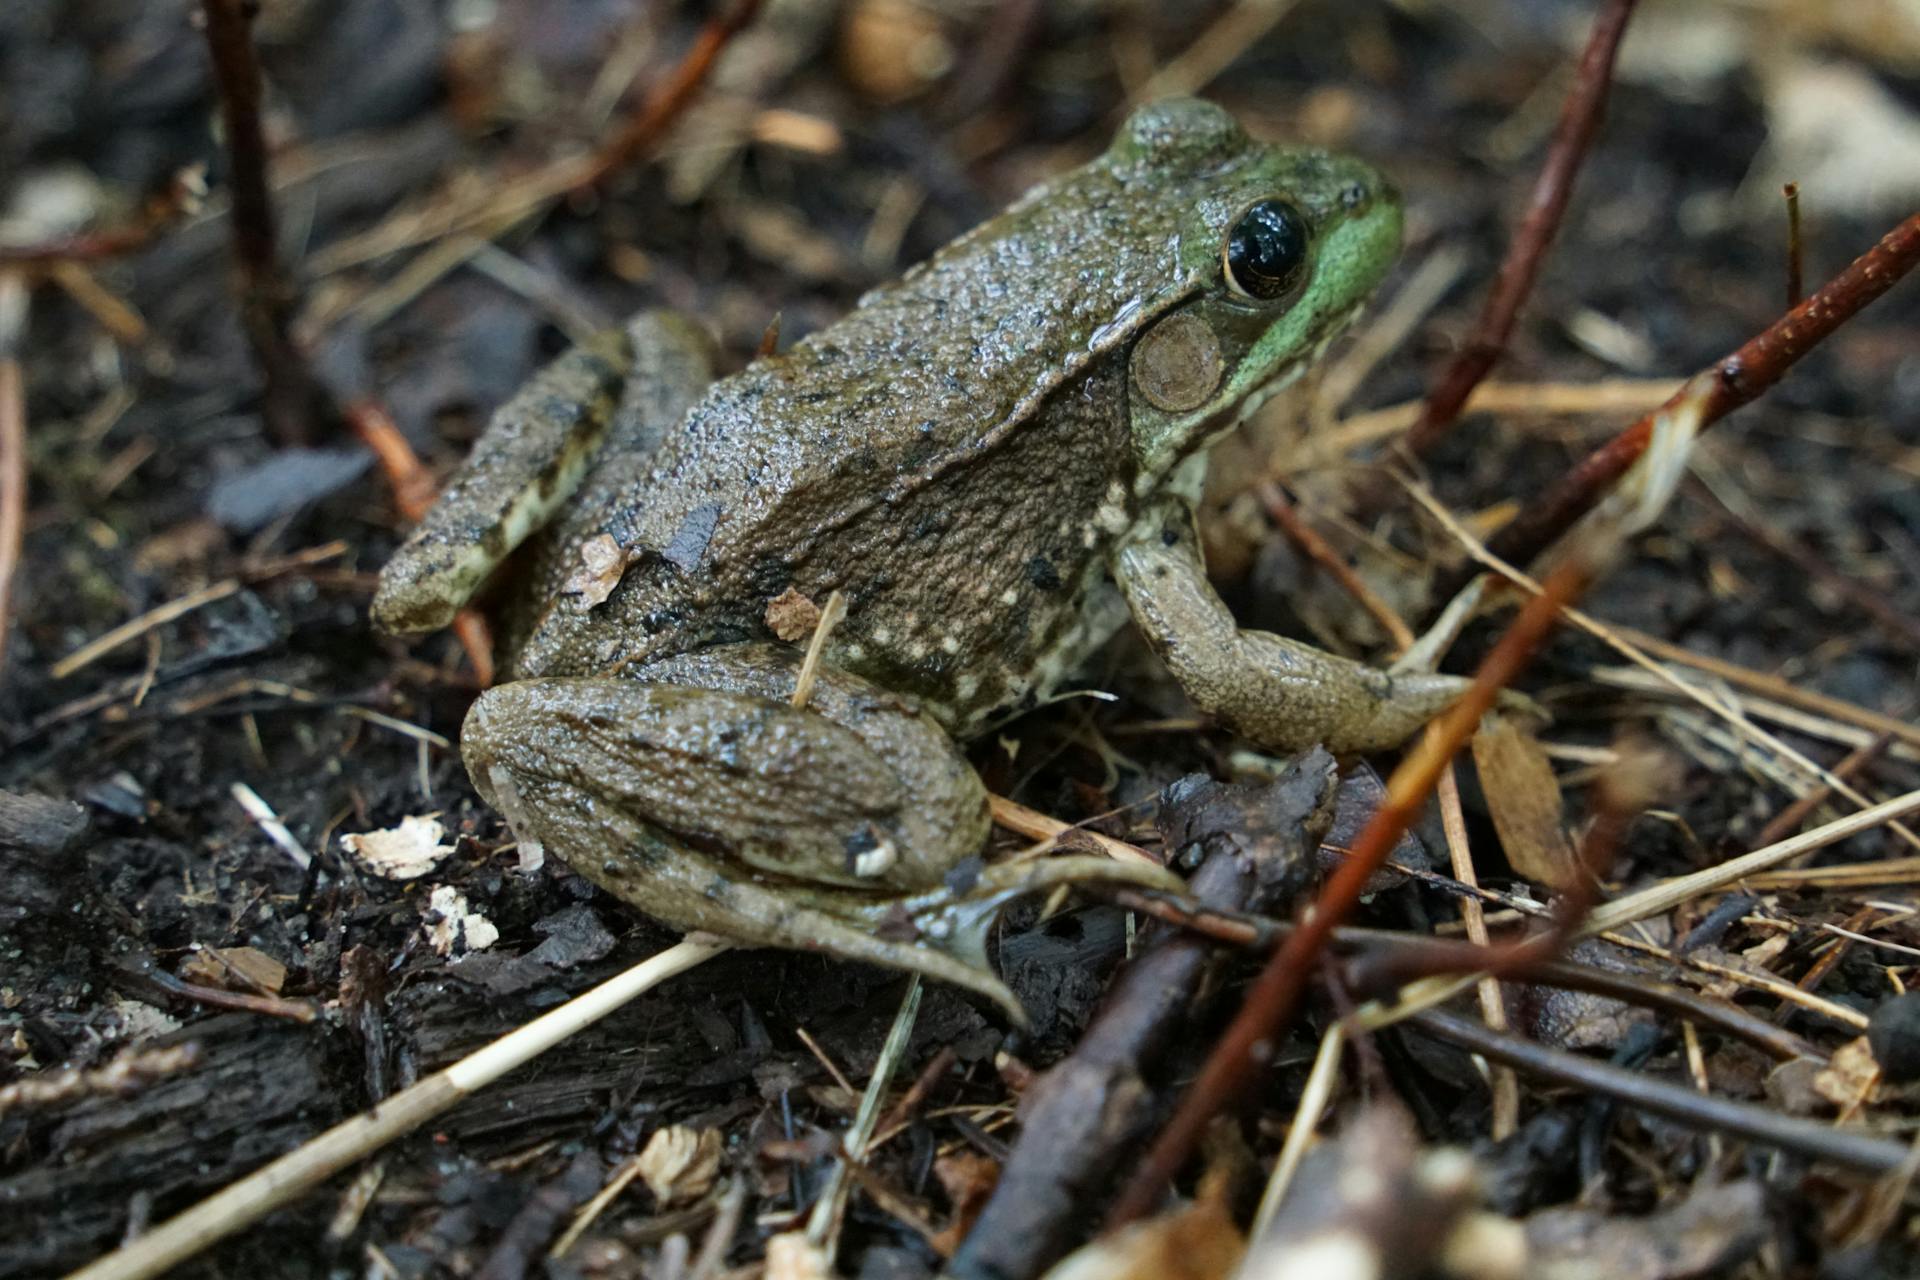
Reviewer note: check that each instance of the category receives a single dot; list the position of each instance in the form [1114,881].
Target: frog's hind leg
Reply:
[610,393]
[702,796]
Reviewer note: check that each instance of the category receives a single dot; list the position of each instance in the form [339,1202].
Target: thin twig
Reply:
[300,1170]
[301,1011]
[1788,820]
[1478,552]
[666,104]
[13,447]
[1535,399]
[180,199]
[1796,247]
[134,628]
[1813,1139]
[1662,897]
[1772,686]
[1215,48]
[1737,379]
[1277,993]
[1261,932]
[293,399]
[823,1224]
[1579,120]
[830,615]
[1308,540]
[1034,825]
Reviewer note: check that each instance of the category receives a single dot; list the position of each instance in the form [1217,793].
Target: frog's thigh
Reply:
[620,391]
[1277,692]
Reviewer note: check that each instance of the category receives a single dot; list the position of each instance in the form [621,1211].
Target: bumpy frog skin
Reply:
[993,458]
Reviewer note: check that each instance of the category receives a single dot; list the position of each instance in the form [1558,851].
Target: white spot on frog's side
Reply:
[966,687]
[917,650]
[949,644]
[876,861]
[1009,597]
[852,652]
[1112,516]
[506,798]
[881,635]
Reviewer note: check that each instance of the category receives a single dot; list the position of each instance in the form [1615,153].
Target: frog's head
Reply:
[1278,248]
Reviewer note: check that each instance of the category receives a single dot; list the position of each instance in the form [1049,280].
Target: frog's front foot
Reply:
[697,792]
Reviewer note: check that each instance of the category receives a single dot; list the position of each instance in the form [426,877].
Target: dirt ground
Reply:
[146,903]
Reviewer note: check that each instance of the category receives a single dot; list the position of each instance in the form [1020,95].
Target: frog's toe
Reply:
[957,920]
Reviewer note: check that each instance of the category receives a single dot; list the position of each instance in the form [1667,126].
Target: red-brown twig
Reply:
[1620,798]
[1740,377]
[1796,247]
[665,104]
[1579,120]
[180,199]
[292,399]
[1321,552]
[13,447]
[1271,1002]
[1789,819]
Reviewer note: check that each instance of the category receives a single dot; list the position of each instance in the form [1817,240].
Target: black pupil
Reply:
[1267,249]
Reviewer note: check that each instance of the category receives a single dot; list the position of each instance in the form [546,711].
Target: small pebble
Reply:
[1893,1033]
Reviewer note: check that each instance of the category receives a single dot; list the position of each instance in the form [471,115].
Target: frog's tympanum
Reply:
[994,458]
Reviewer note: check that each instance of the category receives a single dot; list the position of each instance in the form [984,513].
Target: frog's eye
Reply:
[1266,251]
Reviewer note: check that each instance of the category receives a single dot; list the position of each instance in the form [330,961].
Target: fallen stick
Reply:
[307,1166]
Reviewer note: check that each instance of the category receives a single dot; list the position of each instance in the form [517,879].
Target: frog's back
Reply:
[953,454]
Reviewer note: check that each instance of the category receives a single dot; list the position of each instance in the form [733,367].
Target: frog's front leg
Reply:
[699,794]
[614,394]
[1279,693]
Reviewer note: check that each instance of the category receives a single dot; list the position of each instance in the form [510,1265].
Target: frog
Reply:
[994,460]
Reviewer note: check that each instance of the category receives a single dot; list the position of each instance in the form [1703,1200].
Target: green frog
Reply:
[994,458]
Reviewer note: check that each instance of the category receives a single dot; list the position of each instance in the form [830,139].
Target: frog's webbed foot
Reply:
[612,392]
[702,797]
[1280,693]
[958,918]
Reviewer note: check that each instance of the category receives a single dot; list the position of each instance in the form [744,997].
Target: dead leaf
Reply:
[235,969]
[1709,1233]
[680,1164]
[1523,797]
[894,49]
[451,923]
[790,1257]
[1850,1077]
[792,616]
[405,852]
[603,562]
[968,1178]
[1197,1242]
